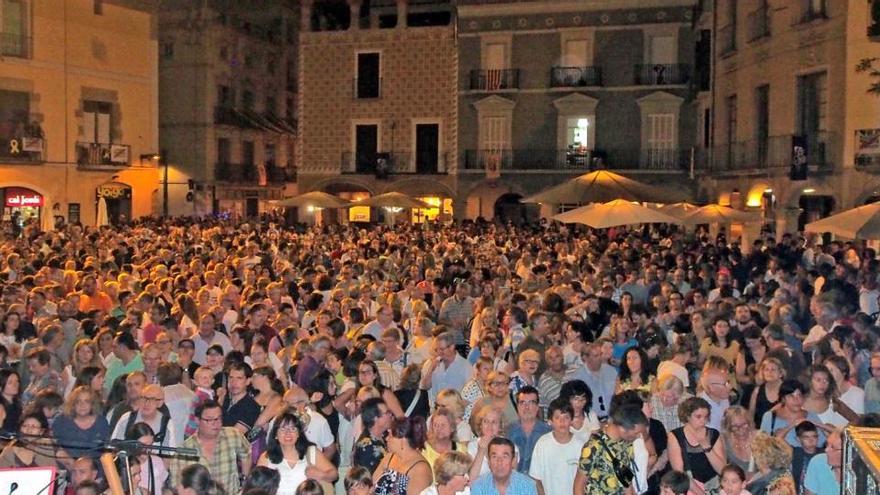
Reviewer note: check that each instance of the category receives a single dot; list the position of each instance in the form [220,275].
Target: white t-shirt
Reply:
[555,464]
[318,431]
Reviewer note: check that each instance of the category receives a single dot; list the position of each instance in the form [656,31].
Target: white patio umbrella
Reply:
[862,222]
[101,217]
[613,214]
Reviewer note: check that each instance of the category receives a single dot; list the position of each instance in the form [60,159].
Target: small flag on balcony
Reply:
[261,174]
[493,79]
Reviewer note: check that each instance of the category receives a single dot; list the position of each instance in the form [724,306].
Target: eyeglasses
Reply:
[288,429]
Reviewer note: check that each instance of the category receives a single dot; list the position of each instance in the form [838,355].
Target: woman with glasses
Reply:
[738,432]
[368,376]
[450,474]
[81,427]
[34,449]
[499,397]
[295,458]
[487,423]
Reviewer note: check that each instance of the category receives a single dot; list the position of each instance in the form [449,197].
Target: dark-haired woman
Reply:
[153,471]
[404,471]
[719,343]
[634,371]
[10,395]
[195,479]
[584,422]
[296,459]
[269,393]
[39,452]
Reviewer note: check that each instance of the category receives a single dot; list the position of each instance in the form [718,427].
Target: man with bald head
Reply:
[317,430]
[152,411]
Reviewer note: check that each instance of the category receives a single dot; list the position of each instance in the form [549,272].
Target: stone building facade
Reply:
[78,110]
[793,123]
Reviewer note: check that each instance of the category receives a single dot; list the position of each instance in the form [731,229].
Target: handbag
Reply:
[622,472]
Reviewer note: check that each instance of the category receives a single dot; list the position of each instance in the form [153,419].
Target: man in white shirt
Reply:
[556,454]
[318,430]
[149,412]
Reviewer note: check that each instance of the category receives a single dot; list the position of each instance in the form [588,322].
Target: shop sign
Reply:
[17,197]
[113,190]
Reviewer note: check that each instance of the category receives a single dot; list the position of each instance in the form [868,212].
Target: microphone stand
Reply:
[124,449]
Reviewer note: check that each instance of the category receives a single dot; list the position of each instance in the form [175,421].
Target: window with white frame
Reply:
[661,131]
[494,117]
[660,115]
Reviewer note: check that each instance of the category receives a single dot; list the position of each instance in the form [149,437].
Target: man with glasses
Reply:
[152,411]
[384,320]
[598,375]
[446,368]
[220,449]
[824,471]
[527,430]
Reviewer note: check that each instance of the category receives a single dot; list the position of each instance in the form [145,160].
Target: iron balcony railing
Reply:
[661,74]
[24,148]
[236,172]
[15,45]
[575,76]
[758,23]
[776,152]
[495,79]
[103,154]
[397,162]
[672,159]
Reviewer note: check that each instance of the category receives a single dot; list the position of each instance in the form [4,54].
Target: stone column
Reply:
[786,220]
[306,16]
[355,8]
[402,11]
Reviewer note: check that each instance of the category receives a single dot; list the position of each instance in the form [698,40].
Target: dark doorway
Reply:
[366,147]
[251,207]
[427,147]
[814,208]
[508,208]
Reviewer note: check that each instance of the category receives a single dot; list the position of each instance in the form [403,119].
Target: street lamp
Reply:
[161,157]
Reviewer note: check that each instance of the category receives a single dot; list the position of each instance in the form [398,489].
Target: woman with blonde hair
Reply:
[667,395]
[451,400]
[738,431]
[498,396]
[420,327]
[488,423]
[450,474]
[85,354]
[773,462]
[769,376]
[441,437]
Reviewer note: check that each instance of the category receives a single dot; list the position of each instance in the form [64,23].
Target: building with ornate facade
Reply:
[227,99]
[78,119]
[795,133]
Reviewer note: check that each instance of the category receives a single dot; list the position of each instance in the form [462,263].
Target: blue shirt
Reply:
[601,384]
[791,437]
[519,484]
[820,479]
[526,443]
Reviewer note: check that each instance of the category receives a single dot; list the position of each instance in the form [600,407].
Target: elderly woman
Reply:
[450,475]
[738,432]
[773,461]
[450,399]
[499,396]
[528,361]
[668,395]
[488,423]
[473,389]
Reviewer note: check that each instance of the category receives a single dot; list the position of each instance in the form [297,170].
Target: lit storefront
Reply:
[440,207]
[27,203]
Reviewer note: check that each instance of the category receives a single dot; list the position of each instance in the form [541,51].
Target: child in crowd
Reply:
[733,479]
[675,483]
[203,379]
[808,438]
[358,481]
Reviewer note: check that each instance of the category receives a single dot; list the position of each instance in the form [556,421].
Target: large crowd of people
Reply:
[254,358]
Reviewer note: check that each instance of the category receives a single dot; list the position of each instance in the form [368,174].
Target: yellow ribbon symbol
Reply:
[14,147]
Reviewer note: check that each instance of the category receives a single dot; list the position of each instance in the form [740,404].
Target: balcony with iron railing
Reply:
[758,23]
[397,162]
[812,10]
[575,77]
[576,160]
[15,45]
[236,172]
[776,152]
[27,147]
[494,79]
[662,74]
[102,155]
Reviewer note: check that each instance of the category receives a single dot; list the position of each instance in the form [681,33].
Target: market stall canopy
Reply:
[613,214]
[601,186]
[716,213]
[862,222]
[317,199]
[391,200]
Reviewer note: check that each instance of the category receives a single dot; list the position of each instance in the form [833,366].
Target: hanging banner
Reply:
[493,164]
